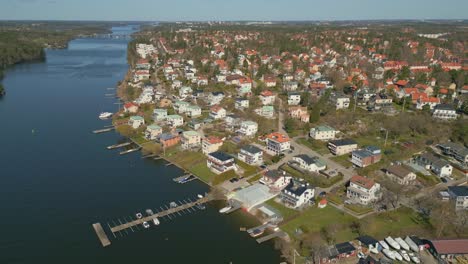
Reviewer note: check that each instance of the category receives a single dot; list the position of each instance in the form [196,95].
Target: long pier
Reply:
[119,145]
[271,236]
[167,212]
[103,130]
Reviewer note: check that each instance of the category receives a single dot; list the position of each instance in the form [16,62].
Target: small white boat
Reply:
[149,212]
[105,115]
[225,209]
[411,244]
[405,255]
[173,204]
[389,253]
[392,243]
[397,255]
[384,244]
[139,215]
[415,259]
[146,225]
[373,249]
[402,243]
[200,196]
[156,221]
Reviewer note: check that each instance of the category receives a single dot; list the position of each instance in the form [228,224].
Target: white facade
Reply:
[175,120]
[251,155]
[362,190]
[248,128]
[342,102]
[323,133]
[294,99]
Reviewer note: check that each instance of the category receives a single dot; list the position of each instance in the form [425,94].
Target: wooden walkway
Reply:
[167,212]
[101,235]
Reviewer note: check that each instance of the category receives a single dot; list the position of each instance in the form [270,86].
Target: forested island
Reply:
[26,41]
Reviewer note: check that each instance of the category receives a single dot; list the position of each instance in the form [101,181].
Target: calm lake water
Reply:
[57,178]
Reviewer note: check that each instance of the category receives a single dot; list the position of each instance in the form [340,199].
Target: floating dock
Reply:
[129,151]
[119,145]
[149,156]
[260,227]
[185,178]
[103,130]
[101,235]
[271,236]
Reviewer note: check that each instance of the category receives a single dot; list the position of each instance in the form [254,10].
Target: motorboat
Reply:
[139,215]
[373,249]
[389,253]
[156,221]
[392,243]
[225,209]
[146,225]
[398,256]
[105,115]
[402,243]
[411,244]
[384,244]
[414,258]
[173,204]
[257,232]
[200,196]
[149,212]
[201,206]
[405,255]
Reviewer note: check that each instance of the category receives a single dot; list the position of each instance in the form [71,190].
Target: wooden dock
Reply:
[129,151]
[164,213]
[271,236]
[101,235]
[103,130]
[149,156]
[185,178]
[119,145]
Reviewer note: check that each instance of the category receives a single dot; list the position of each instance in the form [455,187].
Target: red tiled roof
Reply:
[452,246]
[213,140]
[267,93]
[130,104]
[278,137]
[362,181]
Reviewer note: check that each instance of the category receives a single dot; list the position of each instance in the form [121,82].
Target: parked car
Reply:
[444,180]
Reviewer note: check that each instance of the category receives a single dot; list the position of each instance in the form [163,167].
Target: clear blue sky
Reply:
[232,9]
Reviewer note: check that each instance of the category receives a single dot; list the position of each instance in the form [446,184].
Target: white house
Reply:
[175,120]
[400,174]
[294,98]
[159,114]
[444,112]
[342,102]
[267,97]
[251,155]
[193,111]
[220,162]
[242,103]
[308,163]
[278,143]
[190,139]
[153,131]
[275,180]
[439,166]
[323,132]
[217,112]
[136,121]
[185,91]
[248,128]
[363,190]
[181,106]
[211,144]
[297,194]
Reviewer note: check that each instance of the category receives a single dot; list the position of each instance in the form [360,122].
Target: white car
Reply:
[361,255]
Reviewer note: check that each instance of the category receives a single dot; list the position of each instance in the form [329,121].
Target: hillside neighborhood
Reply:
[342,137]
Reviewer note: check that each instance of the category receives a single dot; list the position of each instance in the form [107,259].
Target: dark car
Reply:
[263,166]
[322,194]
[444,180]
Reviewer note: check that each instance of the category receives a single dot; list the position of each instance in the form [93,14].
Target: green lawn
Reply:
[248,169]
[314,219]
[202,172]
[343,160]
[427,180]
[140,139]
[255,178]
[316,145]
[358,209]
[287,213]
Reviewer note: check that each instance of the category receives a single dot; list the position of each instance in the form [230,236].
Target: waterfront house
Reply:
[297,194]
[217,112]
[242,103]
[211,144]
[193,111]
[365,157]
[220,162]
[159,114]
[190,139]
[308,163]
[136,121]
[251,155]
[174,120]
[276,180]
[248,128]
[152,132]
[267,97]
[267,111]
[401,174]
[323,132]
[444,112]
[459,194]
[294,98]
[363,190]
[447,250]
[342,146]
[437,165]
[278,143]
[130,108]
[168,140]
[341,251]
